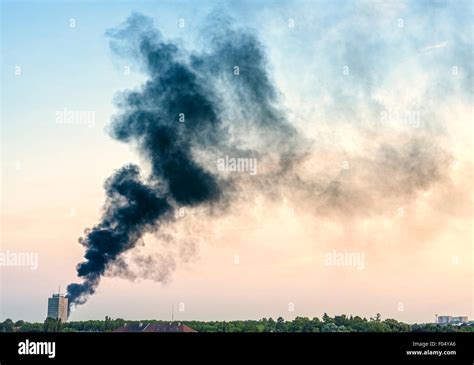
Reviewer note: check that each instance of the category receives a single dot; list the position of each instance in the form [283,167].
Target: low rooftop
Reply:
[154,327]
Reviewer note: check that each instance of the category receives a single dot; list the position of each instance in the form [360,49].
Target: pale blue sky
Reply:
[400,56]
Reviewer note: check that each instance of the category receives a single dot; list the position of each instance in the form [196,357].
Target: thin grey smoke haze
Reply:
[193,109]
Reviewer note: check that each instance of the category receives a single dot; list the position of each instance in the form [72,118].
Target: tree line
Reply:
[341,323]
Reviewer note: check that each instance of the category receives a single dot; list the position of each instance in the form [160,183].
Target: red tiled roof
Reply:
[154,327]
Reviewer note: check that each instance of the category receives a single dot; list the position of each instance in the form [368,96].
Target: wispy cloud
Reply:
[434,46]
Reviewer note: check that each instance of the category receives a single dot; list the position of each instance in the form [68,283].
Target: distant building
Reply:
[58,307]
[154,327]
[452,320]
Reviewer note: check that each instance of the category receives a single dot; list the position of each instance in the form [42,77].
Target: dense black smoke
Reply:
[132,208]
[189,104]
[195,108]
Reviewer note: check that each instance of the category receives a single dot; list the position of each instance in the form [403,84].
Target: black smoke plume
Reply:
[195,108]
[191,105]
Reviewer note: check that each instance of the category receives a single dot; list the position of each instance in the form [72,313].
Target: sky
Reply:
[380,94]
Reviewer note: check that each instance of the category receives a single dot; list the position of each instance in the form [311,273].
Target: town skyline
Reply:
[237,161]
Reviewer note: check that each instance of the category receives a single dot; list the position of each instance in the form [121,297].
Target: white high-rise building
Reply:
[58,307]
[452,320]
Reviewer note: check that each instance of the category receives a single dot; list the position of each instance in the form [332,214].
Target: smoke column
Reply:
[198,107]
[189,103]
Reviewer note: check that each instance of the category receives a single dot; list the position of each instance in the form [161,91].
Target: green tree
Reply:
[52,325]
[49,324]
[330,327]
[19,323]
[327,319]
[280,325]
[300,324]
[7,326]
[58,325]
[32,327]
[316,324]
[396,326]
[107,324]
[342,320]
[270,325]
